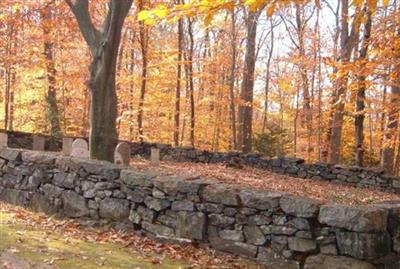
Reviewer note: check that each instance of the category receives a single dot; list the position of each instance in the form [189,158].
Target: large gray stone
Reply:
[254,235]
[300,207]
[262,200]
[358,219]
[168,184]
[335,262]
[52,191]
[182,206]
[75,206]
[302,245]
[233,235]
[15,197]
[41,158]
[11,154]
[220,194]
[191,225]
[65,180]
[237,248]
[41,203]
[156,204]
[133,178]
[114,209]
[273,261]
[158,229]
[220,220]
[363,245]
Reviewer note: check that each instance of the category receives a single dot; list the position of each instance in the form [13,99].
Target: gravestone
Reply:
[38,142]
[67,145]
[80,148]
[3,140]
[155,156]
[122,154]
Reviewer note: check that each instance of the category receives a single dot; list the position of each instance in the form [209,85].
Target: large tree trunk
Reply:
[246,93]
[347,43]
[360,98]
[51,98]
[388,150]
[104,47]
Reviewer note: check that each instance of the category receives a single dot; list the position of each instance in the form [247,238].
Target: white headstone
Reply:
[38,142]
[80,148]
[122,154]
[67,145]
[3,140]
[155,156]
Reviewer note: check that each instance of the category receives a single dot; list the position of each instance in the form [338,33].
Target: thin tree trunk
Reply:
[232,81]
[360,98]
[267,77]
[178,82]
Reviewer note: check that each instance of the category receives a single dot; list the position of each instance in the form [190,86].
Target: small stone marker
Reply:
[67,145]
[38,142]
[80,148]
[155,156]
[122,154]
[3,140]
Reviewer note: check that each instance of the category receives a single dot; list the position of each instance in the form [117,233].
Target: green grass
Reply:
[39,246]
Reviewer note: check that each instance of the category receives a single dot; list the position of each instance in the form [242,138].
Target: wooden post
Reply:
[67,145]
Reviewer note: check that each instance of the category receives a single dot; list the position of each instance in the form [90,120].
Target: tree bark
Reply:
[246,92]
[178,82]
[360,98]
[51,98]
[143,46]
[104,45]
[347,44]
[232,81]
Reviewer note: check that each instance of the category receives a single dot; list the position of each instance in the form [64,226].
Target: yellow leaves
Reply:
[270,10]
[151,17]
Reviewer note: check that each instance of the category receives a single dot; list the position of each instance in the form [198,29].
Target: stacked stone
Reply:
[277,229]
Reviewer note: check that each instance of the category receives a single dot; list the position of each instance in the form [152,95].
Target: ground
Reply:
[322,190]
[32,241]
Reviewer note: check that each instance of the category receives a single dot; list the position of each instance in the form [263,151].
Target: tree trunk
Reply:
[347,44]
[388,150]
[267,78]
[191,83]
[143,45]
[360,98]
[246,93]
[104,47]
[232,81]
[51,98]
[178,82]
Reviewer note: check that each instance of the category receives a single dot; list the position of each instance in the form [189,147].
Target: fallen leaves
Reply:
[257,178]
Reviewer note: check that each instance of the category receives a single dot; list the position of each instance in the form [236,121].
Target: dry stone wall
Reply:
[277,229]
[356,176]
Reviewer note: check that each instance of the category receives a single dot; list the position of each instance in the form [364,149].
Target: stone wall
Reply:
[277,229]
[357,176]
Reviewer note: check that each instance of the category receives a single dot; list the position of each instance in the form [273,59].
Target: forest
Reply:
[316,80]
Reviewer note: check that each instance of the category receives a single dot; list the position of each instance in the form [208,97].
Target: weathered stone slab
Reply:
[155,156]
[38,142]
[233,235]
[114,209]
[182,206]
[122,154]
[157,204]
[168,184]
[254,235]
[14,197]
[67,145]
[45,158]
[335,262]
[191,225]
[262,200]
[221,194]
[358,219]
[363,245]
[80,148]
[300,207]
